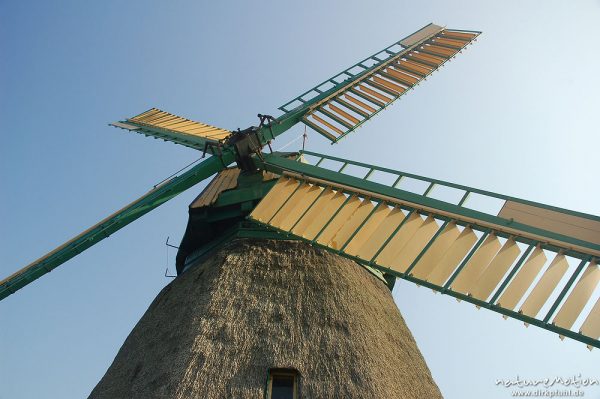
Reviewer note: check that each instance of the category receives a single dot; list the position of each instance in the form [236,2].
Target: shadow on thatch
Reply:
[257,304]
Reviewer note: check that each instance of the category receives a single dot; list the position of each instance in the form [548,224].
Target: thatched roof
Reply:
[257,304]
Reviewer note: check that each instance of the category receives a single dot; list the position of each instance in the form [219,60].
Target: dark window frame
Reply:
[284,372]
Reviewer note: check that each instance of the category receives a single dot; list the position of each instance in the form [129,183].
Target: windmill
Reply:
[448,247]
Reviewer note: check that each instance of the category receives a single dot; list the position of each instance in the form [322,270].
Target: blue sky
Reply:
[517,113]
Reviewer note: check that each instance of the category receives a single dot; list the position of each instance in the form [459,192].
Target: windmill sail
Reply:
[473,255]
[344,102]
[154,198]
[163,125]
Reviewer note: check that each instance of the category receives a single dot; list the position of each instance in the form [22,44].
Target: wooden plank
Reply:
[339,220]
[523,280]
[329,125]
[578,298]
[402,77]
[343,114]
[476,265]
[276,197]
[591,324]
[351,224]
[346,104]
[406,256]
[545,286]
[557,222]
[318,129]
[391,86]
[360,103]
[451,259]
[375,94]
[293,214]
[410,227]
[367,97]
[381,234]
[436,251]
[319,215]
[496,270]
[437,50]
[426,59]
[458,35]
[414,67]
[365,234]
[458,44]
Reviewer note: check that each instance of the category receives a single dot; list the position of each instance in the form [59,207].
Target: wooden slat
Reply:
[381,234]
[339,220]
[591,324]
[458,44]
[351,224]
[404,78]
[335,117]
[294,214]
[406,256]
[318,129]
[415,67]
[290,203]
[426,59]
[523,280]
[436,251]
[344,114]
[375,94]
[547,219]
[362,104]
[388,254]
[365,97]
[391,86]
[319,214]
[365,233]
[458,35]
[578,298]
[545,286]
[329,125]
[451,259]
[497,268]
[476,265]
[354,108]
[277,196]
[437,50]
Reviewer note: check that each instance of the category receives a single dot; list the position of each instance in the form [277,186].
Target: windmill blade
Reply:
[163,125]
[344,102]
[510,265]
[154,198]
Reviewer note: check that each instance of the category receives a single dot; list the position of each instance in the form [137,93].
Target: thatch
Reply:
[257,304]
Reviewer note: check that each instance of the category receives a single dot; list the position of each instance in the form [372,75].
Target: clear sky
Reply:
[517,113]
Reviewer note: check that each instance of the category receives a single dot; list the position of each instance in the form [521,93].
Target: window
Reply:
[282,384]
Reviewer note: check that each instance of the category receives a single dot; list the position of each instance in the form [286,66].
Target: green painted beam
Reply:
[275,163]
[113,223]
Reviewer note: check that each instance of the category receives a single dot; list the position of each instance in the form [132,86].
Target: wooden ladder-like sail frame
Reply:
[485,259]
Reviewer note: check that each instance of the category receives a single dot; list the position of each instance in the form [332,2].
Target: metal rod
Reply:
[566,288]
[369,173]
[343,167]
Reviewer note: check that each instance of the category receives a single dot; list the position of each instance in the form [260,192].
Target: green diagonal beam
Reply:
[154,198]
